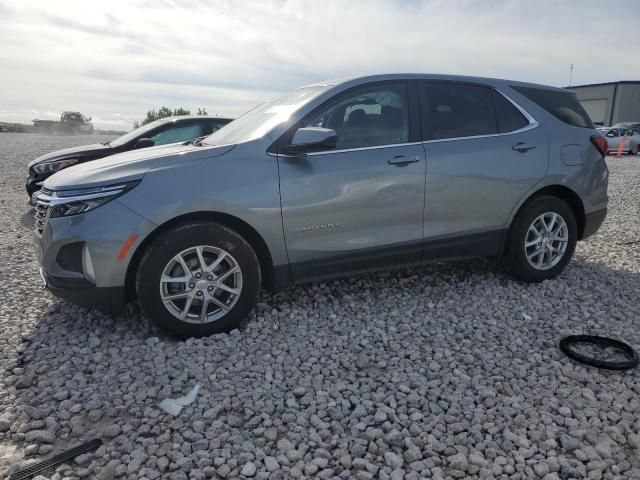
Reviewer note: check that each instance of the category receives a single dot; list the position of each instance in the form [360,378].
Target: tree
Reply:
[164,112]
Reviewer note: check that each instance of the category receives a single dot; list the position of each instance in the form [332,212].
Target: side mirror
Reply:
[144,143]
[312,139]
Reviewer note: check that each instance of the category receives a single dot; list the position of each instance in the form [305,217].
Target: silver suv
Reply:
[327,180]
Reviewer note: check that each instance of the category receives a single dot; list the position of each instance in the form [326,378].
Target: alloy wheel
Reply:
[546,241]
[201,284]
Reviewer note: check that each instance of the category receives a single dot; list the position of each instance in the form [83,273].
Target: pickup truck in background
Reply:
[69,123]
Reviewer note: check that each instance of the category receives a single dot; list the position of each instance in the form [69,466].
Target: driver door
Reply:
[358,206]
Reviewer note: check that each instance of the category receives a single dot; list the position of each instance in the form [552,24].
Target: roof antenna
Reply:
[570,74]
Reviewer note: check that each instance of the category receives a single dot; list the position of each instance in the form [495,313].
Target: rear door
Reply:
[360,205]
[483,154]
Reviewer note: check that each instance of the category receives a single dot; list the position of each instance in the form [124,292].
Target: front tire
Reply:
[541,240]
[198,279]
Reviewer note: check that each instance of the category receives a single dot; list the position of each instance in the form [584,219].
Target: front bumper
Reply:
[592,222]
[100,235]
[81,292]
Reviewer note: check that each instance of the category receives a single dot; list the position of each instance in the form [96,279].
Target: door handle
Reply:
[523,147]
[402,161]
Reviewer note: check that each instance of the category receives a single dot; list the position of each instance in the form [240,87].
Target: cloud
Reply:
[128,57]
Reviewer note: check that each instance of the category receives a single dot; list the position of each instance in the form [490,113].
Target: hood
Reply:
[128,166]
[73,152]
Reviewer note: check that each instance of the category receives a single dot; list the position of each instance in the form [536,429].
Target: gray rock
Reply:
[271,463]
[392,460]
[40,436]
[249,469]
[459,462]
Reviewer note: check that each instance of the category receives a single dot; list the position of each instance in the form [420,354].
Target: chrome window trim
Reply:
[358,149]
[531,126]
[526,114]
[346,150]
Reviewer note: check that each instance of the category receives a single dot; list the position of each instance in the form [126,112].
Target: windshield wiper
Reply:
[106,144]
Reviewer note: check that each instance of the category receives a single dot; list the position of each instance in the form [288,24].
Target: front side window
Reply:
[140,132]
[178,133]
[612,133]
[367,117]
[459,110]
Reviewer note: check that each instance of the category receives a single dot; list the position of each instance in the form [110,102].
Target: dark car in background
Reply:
[161,132]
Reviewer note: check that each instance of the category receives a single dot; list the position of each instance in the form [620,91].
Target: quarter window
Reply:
[367,117]
[509,117]
[460,110]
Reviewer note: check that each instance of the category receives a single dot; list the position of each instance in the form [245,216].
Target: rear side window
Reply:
[562,105]
[459,110]
[509,117]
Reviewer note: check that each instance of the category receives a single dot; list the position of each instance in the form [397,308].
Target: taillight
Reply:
[600,143]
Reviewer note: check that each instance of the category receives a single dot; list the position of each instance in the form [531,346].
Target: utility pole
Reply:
[570,74]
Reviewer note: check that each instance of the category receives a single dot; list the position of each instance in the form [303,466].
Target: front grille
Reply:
[42,200]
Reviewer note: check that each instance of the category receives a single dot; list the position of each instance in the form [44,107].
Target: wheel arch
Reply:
[559,191]
[238,225]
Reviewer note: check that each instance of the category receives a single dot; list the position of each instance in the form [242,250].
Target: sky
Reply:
[115,60]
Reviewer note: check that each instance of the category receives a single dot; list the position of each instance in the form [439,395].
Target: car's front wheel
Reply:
[198,279]
[541,240]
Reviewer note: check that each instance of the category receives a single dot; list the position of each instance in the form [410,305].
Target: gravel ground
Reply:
[432,372]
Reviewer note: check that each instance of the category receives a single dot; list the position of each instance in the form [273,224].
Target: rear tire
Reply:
[533,257]
[215,292]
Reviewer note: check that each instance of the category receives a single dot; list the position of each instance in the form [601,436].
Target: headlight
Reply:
[50,167]
[73,202]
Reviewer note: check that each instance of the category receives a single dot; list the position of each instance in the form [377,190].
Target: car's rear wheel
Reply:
[541,240]
[198,279]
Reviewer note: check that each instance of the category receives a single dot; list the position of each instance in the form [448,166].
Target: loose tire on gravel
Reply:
[194,268]
[606,353]
[556,243]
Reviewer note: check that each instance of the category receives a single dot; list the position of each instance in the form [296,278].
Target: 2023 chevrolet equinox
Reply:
[327,180]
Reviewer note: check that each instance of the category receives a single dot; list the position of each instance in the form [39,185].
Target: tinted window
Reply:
[562,105]
[509,117]
[368,116]
[180,133]
[460,110]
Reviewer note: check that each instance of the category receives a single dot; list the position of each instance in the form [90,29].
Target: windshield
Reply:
[257,122]
[127,137]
